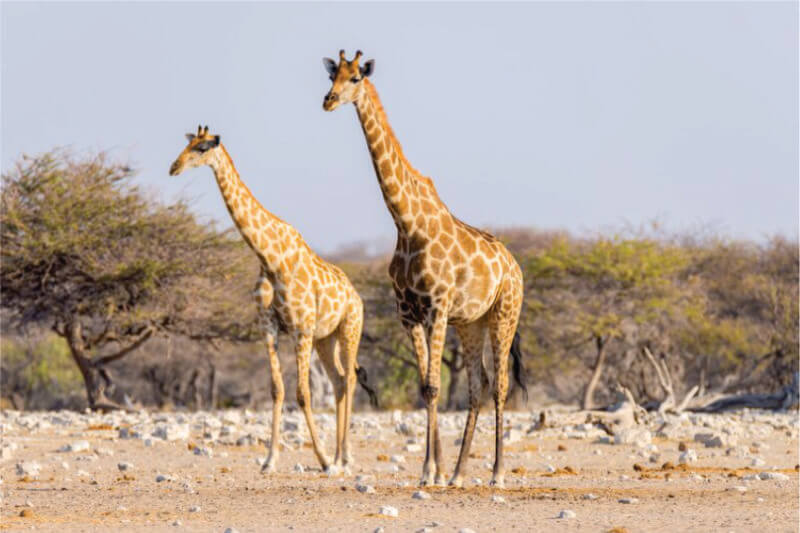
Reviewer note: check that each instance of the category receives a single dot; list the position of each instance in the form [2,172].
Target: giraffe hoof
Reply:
[439,481]
[457,482]
[268,467]
[498,482]
[332,470]
[426,480]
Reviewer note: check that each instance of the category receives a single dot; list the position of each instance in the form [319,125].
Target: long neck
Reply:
[271,238]
[405,191]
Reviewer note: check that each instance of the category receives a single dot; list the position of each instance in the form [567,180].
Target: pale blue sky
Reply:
[578,116]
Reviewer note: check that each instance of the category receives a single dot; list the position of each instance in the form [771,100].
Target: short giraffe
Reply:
[297,292]
[444,271]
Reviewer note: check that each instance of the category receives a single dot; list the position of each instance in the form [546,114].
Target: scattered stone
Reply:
[194,509]
[203,451]
[628,500]
[388,510]
[498,499]
[77,446]
[162,477]
[682,447]
[421,495]
[299,468]
[640,438]
[28,468]
[466,530]
[171,432]
[757,461]
[764,476]
[124,467]
[566,514]
[413,448]
[689,456]
[231,530]
[177,523]
[397,459]
[104,452]
[26,513]
[589,496]
[739,488]
[365,489]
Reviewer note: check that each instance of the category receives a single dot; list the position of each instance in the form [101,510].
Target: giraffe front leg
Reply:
[303,347]
[277,392]
[430,393]
[420,342]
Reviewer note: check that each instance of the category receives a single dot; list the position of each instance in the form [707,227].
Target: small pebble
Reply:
[421,495]
[628,500]
[566,513]
[589,496]
[124,467]
[498,499]
[194,509]
[388,510]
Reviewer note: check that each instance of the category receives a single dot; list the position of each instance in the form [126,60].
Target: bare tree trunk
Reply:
[91,377]
[588,394]
[213,389]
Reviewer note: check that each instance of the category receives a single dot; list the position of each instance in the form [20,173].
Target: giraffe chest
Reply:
[428,276]
[316,306]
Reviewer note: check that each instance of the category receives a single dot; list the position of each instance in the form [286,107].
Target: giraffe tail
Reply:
[518,369]
[361,374]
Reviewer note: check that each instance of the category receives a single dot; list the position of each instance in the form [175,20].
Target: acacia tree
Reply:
[88,254]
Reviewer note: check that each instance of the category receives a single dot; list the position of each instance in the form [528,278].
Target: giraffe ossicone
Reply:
[443,270]
[297,292]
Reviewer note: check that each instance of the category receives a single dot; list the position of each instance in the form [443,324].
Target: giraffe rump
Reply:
[518,369]
[361,374]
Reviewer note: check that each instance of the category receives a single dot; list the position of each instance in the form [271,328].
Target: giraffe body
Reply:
[297,292]
[444,271]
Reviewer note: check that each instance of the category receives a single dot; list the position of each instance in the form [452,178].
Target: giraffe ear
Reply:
[215,142]
[368,68]
[190,137]
[330,66]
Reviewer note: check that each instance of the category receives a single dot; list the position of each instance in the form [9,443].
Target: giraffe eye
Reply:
[354,80]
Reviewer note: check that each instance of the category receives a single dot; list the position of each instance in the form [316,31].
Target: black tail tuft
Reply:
[518,369]
[361,374]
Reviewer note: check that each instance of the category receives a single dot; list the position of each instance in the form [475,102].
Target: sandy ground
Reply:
[86,491]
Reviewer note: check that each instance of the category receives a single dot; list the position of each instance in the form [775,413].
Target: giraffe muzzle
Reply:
[175,169]
[331,101]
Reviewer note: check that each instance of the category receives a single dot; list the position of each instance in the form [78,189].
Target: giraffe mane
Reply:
[381,113]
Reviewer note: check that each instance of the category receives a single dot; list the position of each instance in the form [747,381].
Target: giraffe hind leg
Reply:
[303,347]
[503,319]
[328,351]
[349,338]
[473,337]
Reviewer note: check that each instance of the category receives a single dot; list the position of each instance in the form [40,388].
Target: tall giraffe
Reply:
[297,292]
[443,271]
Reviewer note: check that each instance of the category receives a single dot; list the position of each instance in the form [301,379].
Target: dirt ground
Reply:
[86,491]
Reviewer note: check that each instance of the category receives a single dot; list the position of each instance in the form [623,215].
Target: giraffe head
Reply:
[197,153]
[346,78]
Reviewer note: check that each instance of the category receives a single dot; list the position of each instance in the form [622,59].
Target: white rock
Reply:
[689,456]
[123,467]
[757,461]
[177,523]
[365,489]
[466,530]
[162,477]
[194,509]
[772,475]
[388,510]
[628,500]
[104,452]
[739,488]
[397,459]
[299,468]
[170,432]
[421,495]
[566,513]
[511,436]
[641,438]
[77,446]
[28,468]
[589,496]
[413,448]
[498,499]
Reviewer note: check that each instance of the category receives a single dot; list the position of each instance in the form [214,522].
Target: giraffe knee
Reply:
[430,393]
[301,397]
